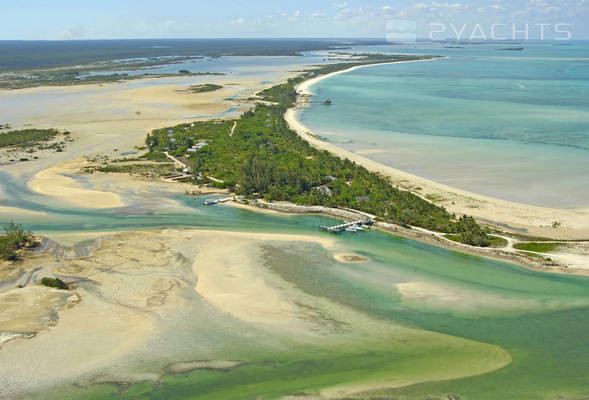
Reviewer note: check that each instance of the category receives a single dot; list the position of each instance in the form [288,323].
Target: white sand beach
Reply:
[506,215]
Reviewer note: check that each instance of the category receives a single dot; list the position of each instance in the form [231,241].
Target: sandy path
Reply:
[511,216]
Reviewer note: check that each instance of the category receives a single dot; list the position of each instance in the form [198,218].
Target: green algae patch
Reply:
[320,372]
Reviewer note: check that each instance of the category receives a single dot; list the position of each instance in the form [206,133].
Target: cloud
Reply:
[550,10]
[238,21]
[339,5]
[75,32]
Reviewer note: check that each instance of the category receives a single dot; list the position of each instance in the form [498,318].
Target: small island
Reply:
[206,87]
[25,144]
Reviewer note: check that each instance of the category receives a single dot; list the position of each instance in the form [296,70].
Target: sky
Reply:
[128,19]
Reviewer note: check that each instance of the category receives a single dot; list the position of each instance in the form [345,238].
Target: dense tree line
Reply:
[265,157]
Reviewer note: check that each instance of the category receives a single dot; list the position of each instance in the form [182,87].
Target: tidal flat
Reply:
[179,300]
[418,318]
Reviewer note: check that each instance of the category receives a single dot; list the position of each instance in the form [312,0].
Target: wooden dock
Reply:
[326,101]
[212,202]
[359,225]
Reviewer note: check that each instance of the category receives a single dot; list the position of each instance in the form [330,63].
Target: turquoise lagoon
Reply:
[540,319]
[508,124]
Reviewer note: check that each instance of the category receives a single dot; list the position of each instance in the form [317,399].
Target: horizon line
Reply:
[333,38]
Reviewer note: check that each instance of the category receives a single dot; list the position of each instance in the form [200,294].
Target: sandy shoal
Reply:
[52,182]
[133,295]
[108,120]
[234,282]
[20,211]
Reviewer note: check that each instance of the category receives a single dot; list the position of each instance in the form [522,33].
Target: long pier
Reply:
[342,227]
[212,202]
[326,101]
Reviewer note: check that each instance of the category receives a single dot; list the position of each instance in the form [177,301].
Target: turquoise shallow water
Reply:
[541,319]
[509,124]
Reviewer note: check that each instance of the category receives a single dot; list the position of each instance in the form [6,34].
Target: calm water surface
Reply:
[541,319]
[508,124]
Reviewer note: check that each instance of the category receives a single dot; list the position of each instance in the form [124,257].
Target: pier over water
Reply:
[352,226]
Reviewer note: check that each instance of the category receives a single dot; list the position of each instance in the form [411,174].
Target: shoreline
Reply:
[140,310]
[138,287]
[513,217]
[109,197]
[505,254]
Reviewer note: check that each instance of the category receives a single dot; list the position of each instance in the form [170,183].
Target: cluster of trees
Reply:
[14,239]
[284,93]
[265,157]
[470,232]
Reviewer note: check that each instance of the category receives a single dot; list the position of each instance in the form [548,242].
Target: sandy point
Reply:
[350,258]
[53,182]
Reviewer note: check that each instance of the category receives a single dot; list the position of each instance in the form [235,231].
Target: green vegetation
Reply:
[496,241]
[69,77]
[537,247]
[486,240]
[149,170]
[264,157]
[32,140]
[54,283]
[27,137]
[207,87]
[435,198]
[14,240]
[159,157]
